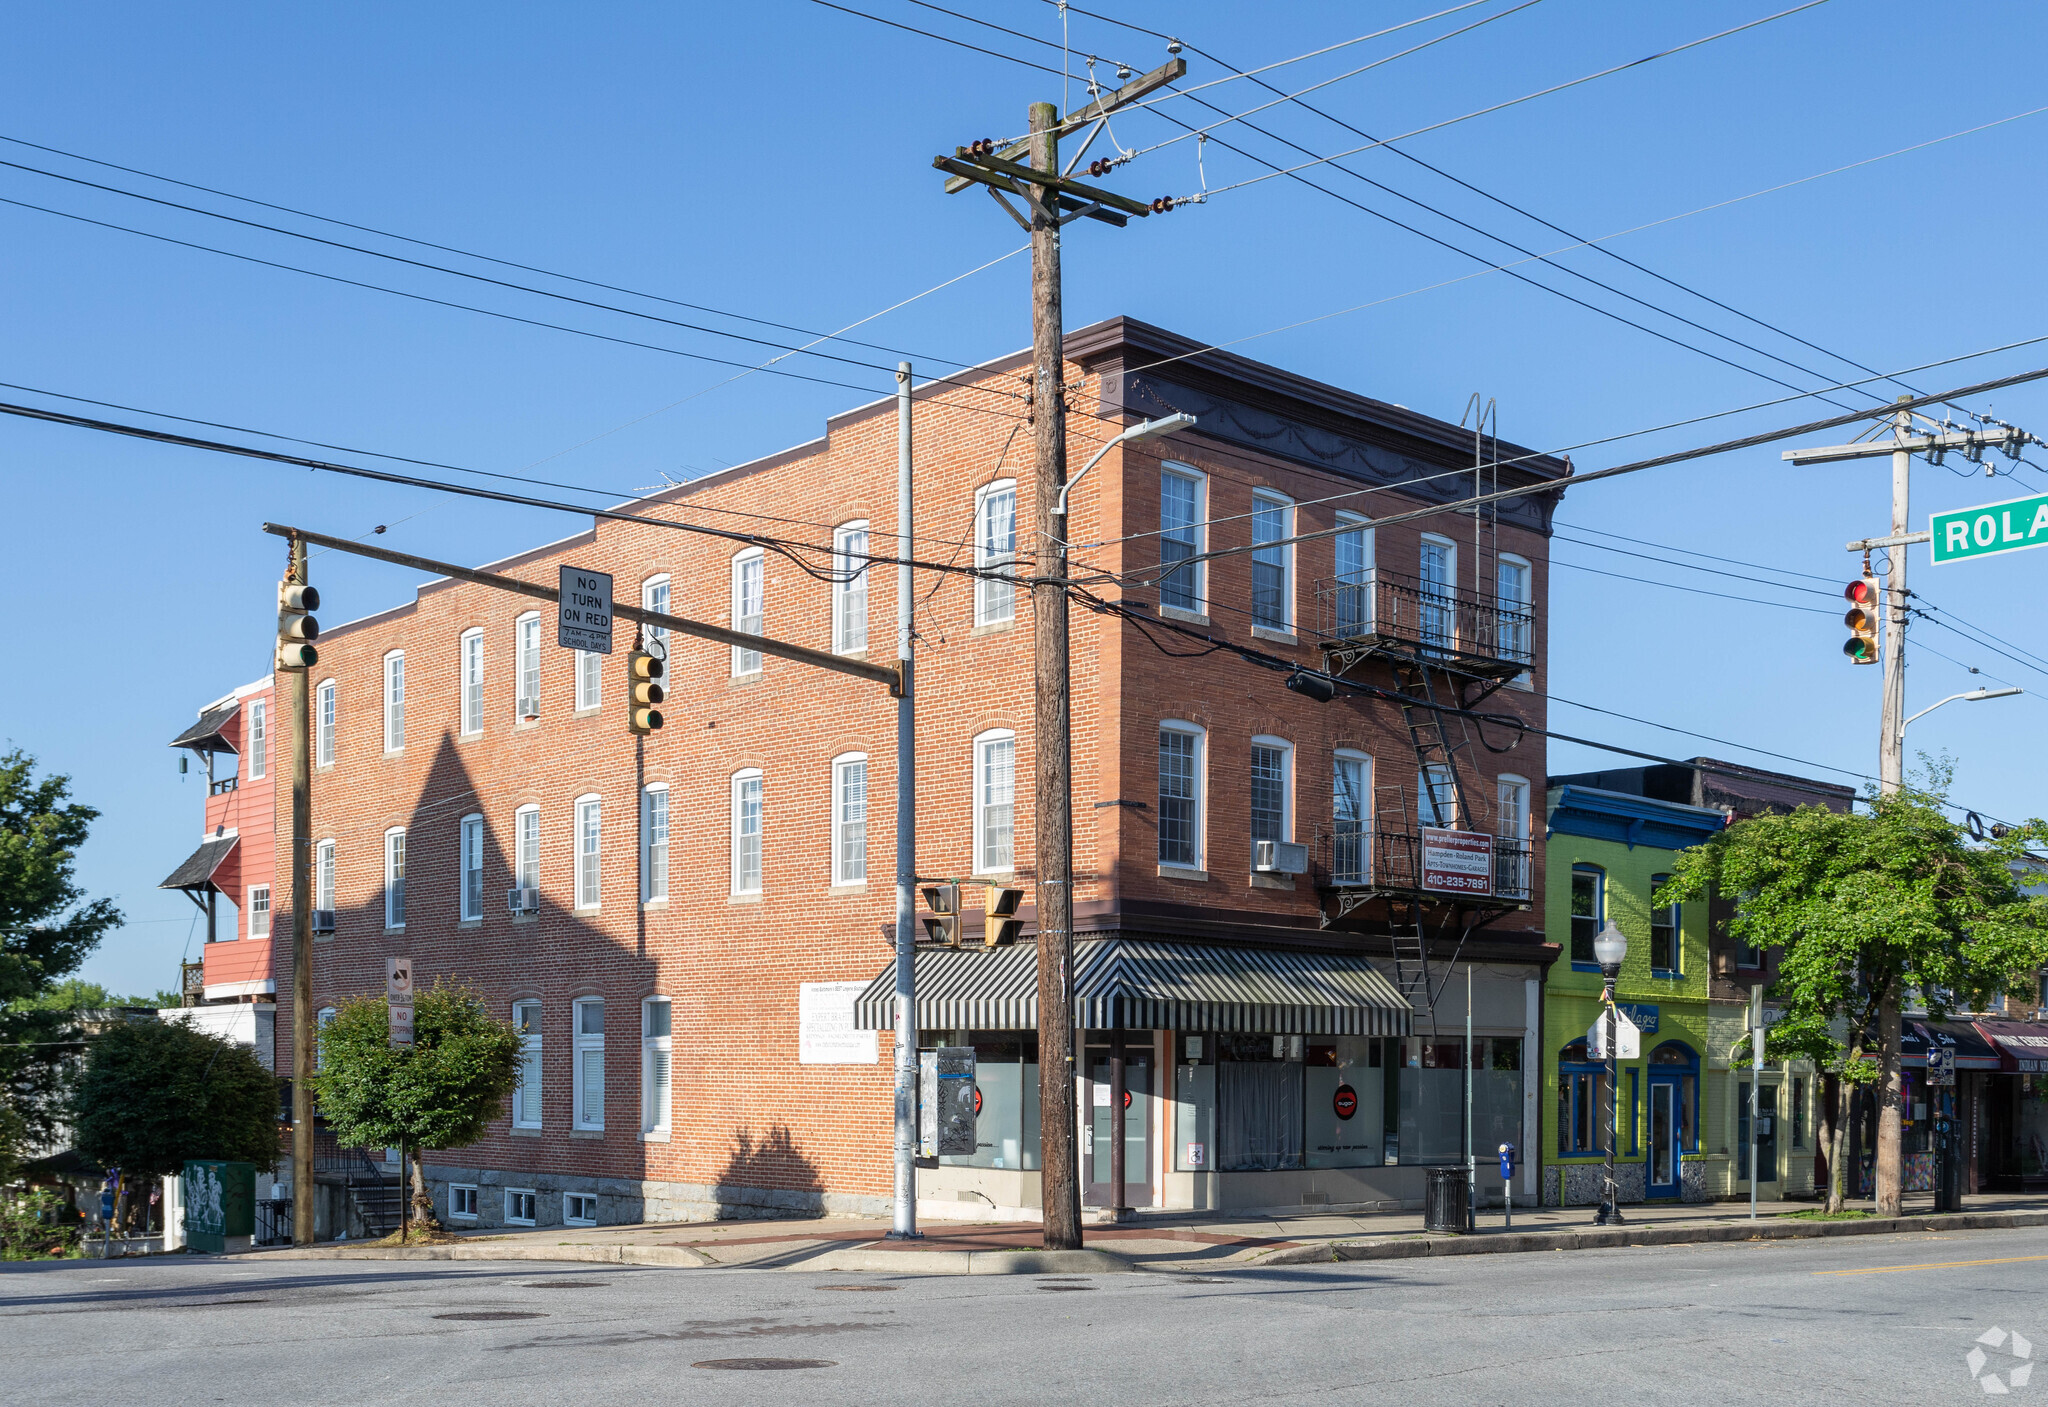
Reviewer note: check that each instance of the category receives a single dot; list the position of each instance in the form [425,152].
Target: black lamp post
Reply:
[1609,948]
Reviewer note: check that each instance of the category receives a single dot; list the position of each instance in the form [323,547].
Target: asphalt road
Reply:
[1856,1320]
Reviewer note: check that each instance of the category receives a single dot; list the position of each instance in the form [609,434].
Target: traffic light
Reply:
[1861,646]
[942,924]
[643,691]
[296,628]
[1000,924]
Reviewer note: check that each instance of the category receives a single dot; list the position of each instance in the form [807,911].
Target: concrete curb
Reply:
[604,1255]
[1603,1237]
[1024,1262]
[853,1258]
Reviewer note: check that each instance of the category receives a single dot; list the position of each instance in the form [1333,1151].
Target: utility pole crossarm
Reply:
[1000,181]
[1109,102]
[767,645]
[2011,439]
[1872,544]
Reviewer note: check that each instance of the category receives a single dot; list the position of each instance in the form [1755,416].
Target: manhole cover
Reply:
[857,1287]
[765,1363]
[567,1285]
[491,1315]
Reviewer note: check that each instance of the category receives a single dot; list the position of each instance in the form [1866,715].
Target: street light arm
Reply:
[1974,696]
[1149,429]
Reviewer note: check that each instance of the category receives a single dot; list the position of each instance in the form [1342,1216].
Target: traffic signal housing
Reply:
[1862,596]
[942,924]
[1000,923]
[296,628]
[644,693]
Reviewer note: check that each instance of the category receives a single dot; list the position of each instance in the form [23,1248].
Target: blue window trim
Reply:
[1599,911]
[1635,1117]
[1690,1071]
[1565,1071]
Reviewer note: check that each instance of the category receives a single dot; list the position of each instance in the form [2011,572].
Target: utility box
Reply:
[945,1101]
[220,1204]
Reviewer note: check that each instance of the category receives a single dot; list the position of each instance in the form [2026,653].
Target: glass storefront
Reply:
[1006,1080]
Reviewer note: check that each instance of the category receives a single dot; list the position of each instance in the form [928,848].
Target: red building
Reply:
[689,926]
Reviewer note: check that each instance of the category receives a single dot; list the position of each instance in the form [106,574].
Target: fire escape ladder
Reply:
[1411,956]
[1423,712]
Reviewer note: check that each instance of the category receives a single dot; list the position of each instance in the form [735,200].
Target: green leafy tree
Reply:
[46,930]
[1867,910]
[442,1091]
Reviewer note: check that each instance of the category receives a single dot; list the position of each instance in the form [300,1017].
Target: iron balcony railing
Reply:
[1427,617]
[1386,860]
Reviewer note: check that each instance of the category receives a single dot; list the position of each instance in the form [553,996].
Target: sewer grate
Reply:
[483,1315]
[765,1363]
[858,1287]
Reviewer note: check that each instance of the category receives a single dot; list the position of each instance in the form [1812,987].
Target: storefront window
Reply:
[1006,1078]
[1345,1089]
[1431,1122]
[1194,1104]
[1258,1102]
[1581,1102]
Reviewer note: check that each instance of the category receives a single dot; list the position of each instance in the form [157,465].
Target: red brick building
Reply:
[684,923]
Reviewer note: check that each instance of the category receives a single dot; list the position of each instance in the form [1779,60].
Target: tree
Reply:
[46,930]
[442,1091]
[156,1093]
[1868,910]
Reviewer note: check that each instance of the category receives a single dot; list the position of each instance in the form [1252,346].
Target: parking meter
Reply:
[1507,1178]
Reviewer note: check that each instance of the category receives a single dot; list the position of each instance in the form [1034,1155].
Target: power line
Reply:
[1690,552]
[1692,567]
[1692,590]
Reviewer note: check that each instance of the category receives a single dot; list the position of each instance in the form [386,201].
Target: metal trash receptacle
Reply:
[1446,1206]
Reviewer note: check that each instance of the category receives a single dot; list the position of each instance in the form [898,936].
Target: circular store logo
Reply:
[1345,1102]
[2008,1365]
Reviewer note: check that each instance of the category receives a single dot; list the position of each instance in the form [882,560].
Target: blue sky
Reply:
[773,160]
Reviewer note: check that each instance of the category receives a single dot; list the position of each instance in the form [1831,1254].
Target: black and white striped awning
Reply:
[1146,984]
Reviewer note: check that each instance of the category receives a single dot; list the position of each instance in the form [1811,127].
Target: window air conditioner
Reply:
[523,901]
[1279,857]
[529,710]
[323,920]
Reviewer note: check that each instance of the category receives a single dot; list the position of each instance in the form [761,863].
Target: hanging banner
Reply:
[1457,862]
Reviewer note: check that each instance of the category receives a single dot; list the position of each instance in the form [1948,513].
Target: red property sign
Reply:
[1457,862]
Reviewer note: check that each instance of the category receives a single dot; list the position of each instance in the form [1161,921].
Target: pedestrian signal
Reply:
[1862,596]
[644,693]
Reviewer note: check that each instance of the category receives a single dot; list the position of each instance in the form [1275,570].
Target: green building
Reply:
[1605,853]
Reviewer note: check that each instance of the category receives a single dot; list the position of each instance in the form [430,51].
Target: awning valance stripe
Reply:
[1149,984]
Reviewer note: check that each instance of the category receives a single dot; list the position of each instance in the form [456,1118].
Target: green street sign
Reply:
[1987,531]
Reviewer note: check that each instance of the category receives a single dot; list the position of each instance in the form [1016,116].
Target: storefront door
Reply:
[1095,1126]
[1661,1173]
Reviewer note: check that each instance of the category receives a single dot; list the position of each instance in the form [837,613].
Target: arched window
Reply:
[850,818]
[1581,1102]
[749,573]
[1351,816]
[995,802]
[746,831]
[995,550]
[394,701]
[850,588]
[1589,911]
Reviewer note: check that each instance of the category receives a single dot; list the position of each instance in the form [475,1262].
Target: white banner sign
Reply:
[1628,1040]
[825,1030]
[1456,862]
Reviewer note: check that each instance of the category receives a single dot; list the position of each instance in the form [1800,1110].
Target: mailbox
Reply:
[945,1101]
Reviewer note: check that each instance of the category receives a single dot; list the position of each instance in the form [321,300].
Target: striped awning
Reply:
[1147,984]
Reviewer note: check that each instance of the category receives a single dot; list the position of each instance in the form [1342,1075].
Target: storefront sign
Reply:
[1345,1102]
[1644,1014]
[1456,862]
[1941,1065]
[825,1030]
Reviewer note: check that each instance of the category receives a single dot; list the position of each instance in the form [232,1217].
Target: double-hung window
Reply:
[323,724]
[322,1019]
[526,1095]
[589,852]
[1180,537]
[394,701]
[526,839]
[472,645]
[1664,946]
[654,597]
[995,550]
[749,579]
[323,876]
[589,1089]
[394,878]
[1354,584]
[995,802]
[1351,817]
[1514,604]
[1269,790]
[1436,593]
[1511,825]
[472,858]
[1589,911]
[850,588]
[589,679]
[1436,794]
[259,738]
[1272,562]
[259,911]
[746,831]
[654,843]
[526,665]
[1180,795]
[850,818]
[654,1067]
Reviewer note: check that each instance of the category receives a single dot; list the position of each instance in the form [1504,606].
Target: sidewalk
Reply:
[1179,1242]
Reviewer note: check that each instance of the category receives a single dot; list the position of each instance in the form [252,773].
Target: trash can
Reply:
[1446,1206]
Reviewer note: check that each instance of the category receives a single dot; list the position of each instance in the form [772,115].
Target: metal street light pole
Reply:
[1610,946]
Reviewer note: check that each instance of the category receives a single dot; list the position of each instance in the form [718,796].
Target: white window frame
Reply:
[325,714]
[1199,530]
[259,739]
[1286,751]
[589,680]
[585,1046]
[995,601]
[849,853]
[571,1200]
[469,841]
[1364,799]
[654,852]
[456,1198]
[526,1021]
[1359,576]
[655,596]
[744,661]
[322,1019]
[740,779]
[850,571]
[1505,784]
[1450,586]
[589,817]
[1265,501]
[985,861]
[532,1204]
[656,1051]
[1200,760]
[526,848]
[526,667]
[1527,605]
[258,909]
[394,701]
[323,876]
[469,654]
[394,880]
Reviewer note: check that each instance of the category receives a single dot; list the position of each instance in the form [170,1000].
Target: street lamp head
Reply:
[1975,694]
[1153,429]
[1610,946]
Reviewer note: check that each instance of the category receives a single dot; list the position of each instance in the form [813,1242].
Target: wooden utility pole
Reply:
[303,1034]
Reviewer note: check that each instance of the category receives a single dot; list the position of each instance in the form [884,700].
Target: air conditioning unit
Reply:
[529,710]
[523,901]
[323,920]
[1279,857]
